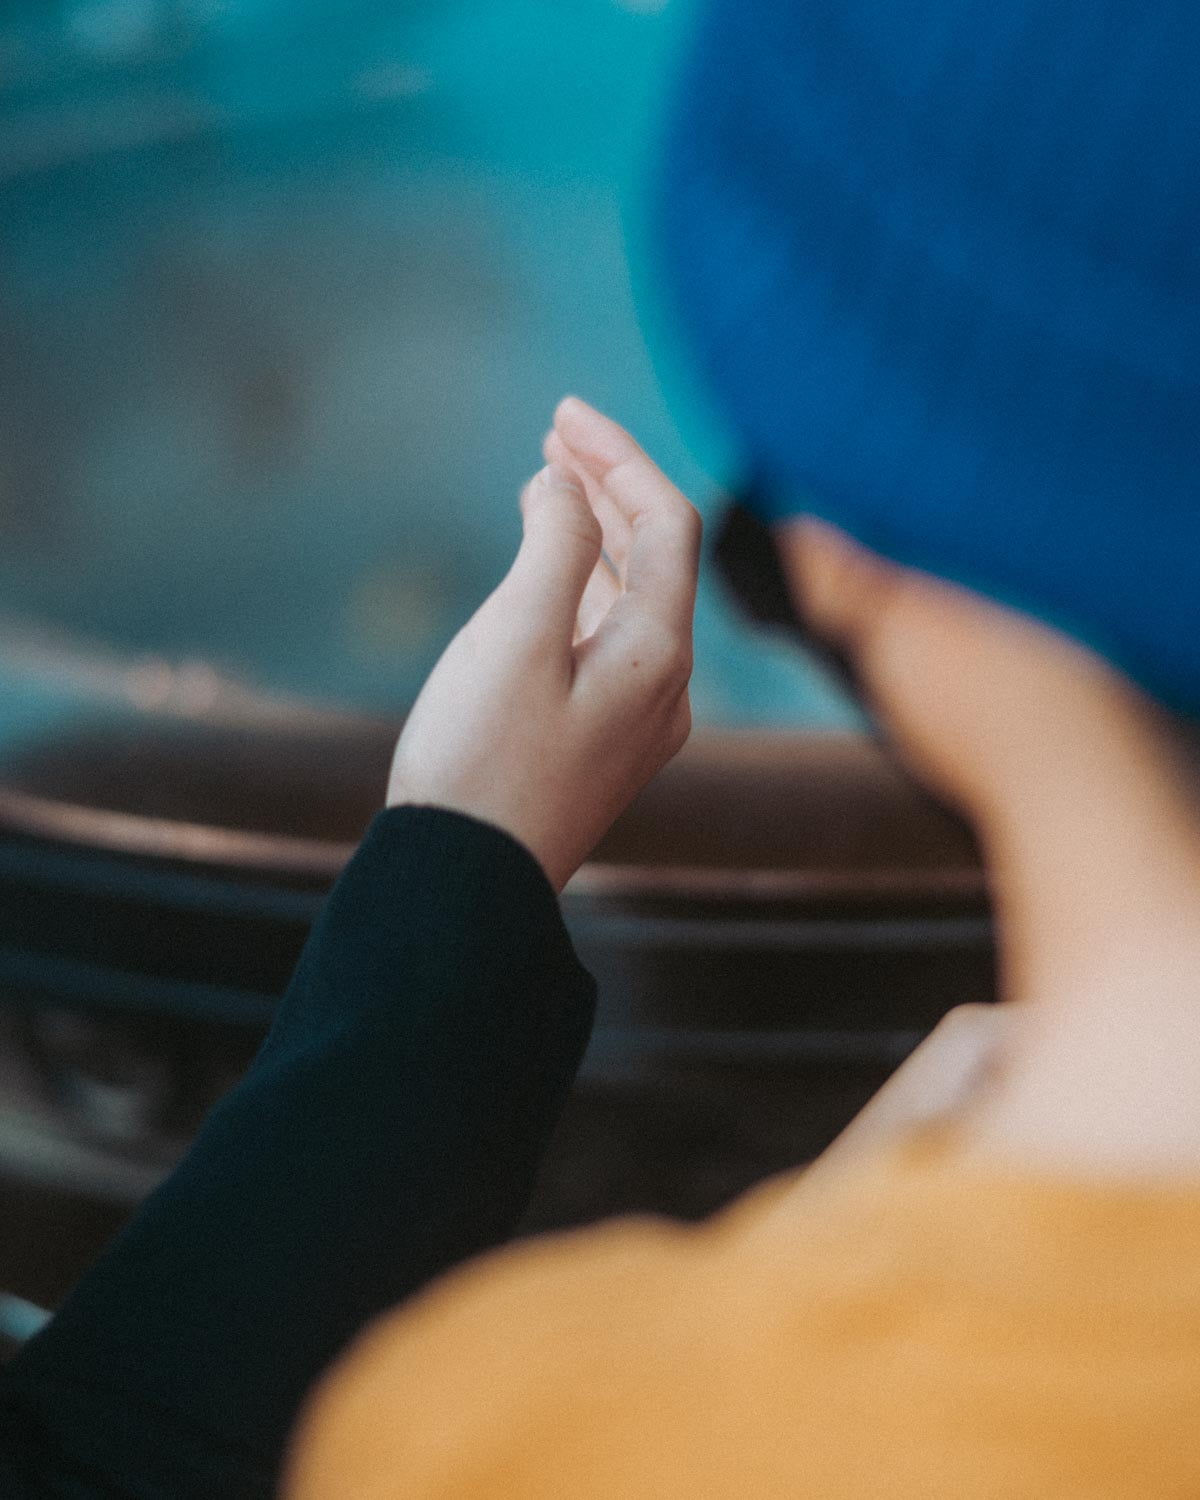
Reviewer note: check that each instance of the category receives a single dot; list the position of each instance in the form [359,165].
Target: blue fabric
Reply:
[940,262]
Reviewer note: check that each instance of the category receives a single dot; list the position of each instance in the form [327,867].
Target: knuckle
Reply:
[579,523]
[668,659]
[578,532]
[628,477]
[587,526]
[568,518]
[565,533]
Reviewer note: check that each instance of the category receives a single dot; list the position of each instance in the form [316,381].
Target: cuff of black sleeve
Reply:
[450,888]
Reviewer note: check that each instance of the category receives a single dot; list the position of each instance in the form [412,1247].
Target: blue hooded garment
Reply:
[939,261]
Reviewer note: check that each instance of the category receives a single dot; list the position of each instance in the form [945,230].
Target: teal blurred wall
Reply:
[287,294]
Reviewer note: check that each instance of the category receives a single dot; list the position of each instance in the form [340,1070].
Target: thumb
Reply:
[559,550]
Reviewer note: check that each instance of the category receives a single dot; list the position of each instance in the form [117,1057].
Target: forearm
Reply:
[390,1127]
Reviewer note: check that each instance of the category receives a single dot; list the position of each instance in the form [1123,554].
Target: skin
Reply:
[1092,841]
[567,692]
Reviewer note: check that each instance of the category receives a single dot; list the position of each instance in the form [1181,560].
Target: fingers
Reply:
[616,528]
[600,593]
[663,545]
[603,587]
[559,552]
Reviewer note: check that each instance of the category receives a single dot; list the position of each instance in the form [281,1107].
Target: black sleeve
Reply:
[390,1126]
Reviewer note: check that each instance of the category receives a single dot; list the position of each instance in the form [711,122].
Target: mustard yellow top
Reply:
[916,1328]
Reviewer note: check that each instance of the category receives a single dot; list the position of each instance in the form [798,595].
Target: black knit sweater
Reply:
[390,1126]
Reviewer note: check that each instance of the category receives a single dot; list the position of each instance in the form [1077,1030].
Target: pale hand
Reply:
[566,691]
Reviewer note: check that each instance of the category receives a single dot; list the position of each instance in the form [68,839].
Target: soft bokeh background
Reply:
[288,291]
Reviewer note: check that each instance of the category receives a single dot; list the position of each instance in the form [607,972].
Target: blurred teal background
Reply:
[288,292]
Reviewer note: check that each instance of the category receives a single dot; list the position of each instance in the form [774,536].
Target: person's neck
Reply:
[1095,869]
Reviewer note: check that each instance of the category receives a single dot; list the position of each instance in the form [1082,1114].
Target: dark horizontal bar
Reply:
[92,876]
[96,987]
[878,935]
[887,1047]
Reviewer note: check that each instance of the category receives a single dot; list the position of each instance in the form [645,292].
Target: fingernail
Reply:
[558,478]
[573,406]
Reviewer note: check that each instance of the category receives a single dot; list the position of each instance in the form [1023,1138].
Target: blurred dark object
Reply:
[774,923]
[748,562]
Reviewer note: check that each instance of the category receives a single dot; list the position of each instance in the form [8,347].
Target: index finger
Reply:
[664,541]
